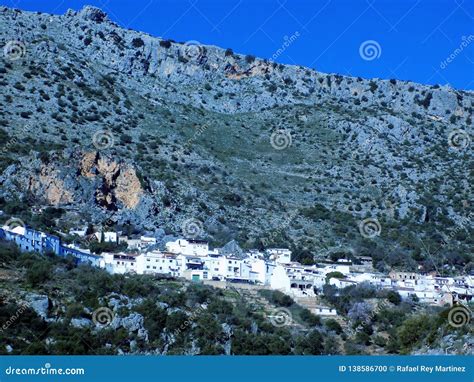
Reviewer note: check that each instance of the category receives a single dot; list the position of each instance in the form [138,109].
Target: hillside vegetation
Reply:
[108,123]
[49,305]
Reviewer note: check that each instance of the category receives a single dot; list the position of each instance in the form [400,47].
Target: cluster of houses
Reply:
[272,268]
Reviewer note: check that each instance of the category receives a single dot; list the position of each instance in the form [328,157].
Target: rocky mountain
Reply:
[113,124]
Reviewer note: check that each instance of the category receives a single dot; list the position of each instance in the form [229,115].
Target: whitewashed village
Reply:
[272,268]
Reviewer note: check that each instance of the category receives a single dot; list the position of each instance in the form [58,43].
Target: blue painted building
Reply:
[35,241]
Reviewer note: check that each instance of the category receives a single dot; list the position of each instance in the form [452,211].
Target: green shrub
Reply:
[165,43]
[137,42]
[249,59]
[333,325]
[38,274]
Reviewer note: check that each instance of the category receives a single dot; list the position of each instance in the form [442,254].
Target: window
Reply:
[148,267]
[154,267]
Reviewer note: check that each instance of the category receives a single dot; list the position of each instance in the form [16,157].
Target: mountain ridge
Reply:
[249,148]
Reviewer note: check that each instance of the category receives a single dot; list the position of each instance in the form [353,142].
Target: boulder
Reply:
[93,14]
[40,304]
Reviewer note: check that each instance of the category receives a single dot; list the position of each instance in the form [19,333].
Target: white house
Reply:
[132,244]
[280,255]
[259,269]
[147,240]
[234,268]
[319,281]
[279,280]
[377,280]
[255,254]
[341,283]
[81,232]
[156,262]
[324,311]
[108,237]
[19,230]
[188,247]
[119,263]
[342,268]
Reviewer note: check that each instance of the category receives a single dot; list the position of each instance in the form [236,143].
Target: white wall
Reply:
[280,280]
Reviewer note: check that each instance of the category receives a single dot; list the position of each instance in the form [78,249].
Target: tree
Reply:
[281,299]
[360,311]
[394,297]
[137,42]
[333,325]
[310,318]
[413,330]
[165,43]
[331,345]
[249,58]
[313,343]
[362,338]
[38,274]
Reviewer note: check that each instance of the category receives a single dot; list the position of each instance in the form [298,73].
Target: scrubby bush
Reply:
[137,42]
[165,43]
[38,274]
[333,325]
[249,59]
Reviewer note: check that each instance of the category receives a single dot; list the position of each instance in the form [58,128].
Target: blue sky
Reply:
[411,39]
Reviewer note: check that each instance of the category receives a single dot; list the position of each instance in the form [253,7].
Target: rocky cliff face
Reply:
[156,133]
